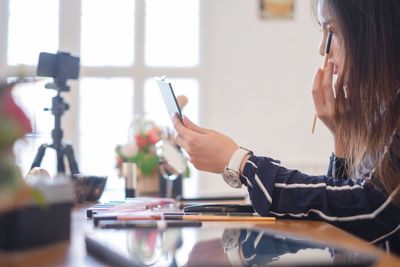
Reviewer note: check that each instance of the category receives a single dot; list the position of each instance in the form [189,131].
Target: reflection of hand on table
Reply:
[212,250]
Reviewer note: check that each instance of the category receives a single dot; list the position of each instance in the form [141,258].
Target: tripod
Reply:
[58,107]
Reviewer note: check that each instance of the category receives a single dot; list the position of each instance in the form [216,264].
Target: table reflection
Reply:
[220,247]
[150,247]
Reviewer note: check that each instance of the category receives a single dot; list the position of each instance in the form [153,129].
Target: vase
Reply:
[139,185]
[148,186]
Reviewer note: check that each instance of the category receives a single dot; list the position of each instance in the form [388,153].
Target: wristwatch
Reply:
[230,242]
[231,172]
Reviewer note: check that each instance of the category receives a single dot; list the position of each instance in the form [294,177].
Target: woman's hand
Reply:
[324,101]
[208,150]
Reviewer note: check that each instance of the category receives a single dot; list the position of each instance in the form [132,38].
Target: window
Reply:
[106,112]
[32,28]
[172,33]
[154,104]
[107,32]
[123,45]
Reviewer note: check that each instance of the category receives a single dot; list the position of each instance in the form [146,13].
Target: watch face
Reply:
[230,238]
[231,178]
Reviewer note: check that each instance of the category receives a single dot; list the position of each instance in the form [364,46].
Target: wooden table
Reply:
[73,252]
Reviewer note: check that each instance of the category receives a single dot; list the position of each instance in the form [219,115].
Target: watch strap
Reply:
[237,157]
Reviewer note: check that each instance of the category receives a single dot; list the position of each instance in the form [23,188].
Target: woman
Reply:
[361,191]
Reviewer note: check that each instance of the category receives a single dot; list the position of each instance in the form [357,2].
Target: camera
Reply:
[61,66]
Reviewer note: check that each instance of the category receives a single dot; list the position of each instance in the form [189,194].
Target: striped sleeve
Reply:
[355,206]
[259,248]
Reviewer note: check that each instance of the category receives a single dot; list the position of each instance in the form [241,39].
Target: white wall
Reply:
[256,84]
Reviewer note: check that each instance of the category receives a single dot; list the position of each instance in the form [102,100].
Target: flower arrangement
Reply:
[144,135]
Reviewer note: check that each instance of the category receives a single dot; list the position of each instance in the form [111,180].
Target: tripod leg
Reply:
[39,156]
[60,160]
[73,165]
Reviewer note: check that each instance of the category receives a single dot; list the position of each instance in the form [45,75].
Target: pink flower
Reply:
[140,140]
[11,110]
[153,135]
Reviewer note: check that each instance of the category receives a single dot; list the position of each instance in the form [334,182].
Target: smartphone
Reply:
[169,97]
[219,208]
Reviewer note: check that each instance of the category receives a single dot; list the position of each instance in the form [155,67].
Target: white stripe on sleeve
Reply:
[386,235]
[251,257]
[263,189]
[258,239]
[248,181]
[328,187]
[252,163]
[347,218]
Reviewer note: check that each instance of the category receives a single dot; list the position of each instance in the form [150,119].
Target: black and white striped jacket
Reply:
[355,206]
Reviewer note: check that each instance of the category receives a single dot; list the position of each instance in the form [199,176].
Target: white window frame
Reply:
[69,40]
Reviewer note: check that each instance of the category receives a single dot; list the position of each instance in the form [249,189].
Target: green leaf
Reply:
[9,132]
[153,161]
[138,158]
[10,175]
[146,148]
[149,164]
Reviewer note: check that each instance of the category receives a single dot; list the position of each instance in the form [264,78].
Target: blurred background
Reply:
[245,72]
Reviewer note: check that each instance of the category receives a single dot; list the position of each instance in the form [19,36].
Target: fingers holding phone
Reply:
[209,150]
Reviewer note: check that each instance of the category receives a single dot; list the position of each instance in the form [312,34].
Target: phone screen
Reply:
[169,98]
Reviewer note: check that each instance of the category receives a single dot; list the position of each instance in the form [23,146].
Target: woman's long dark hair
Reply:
[369,31]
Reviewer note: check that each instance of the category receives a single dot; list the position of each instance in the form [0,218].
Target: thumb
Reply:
[179,127]
[190,125]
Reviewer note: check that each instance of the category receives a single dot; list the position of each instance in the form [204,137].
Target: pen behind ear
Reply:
[324,63]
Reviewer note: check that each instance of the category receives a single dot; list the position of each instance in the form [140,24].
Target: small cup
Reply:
[129,172]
